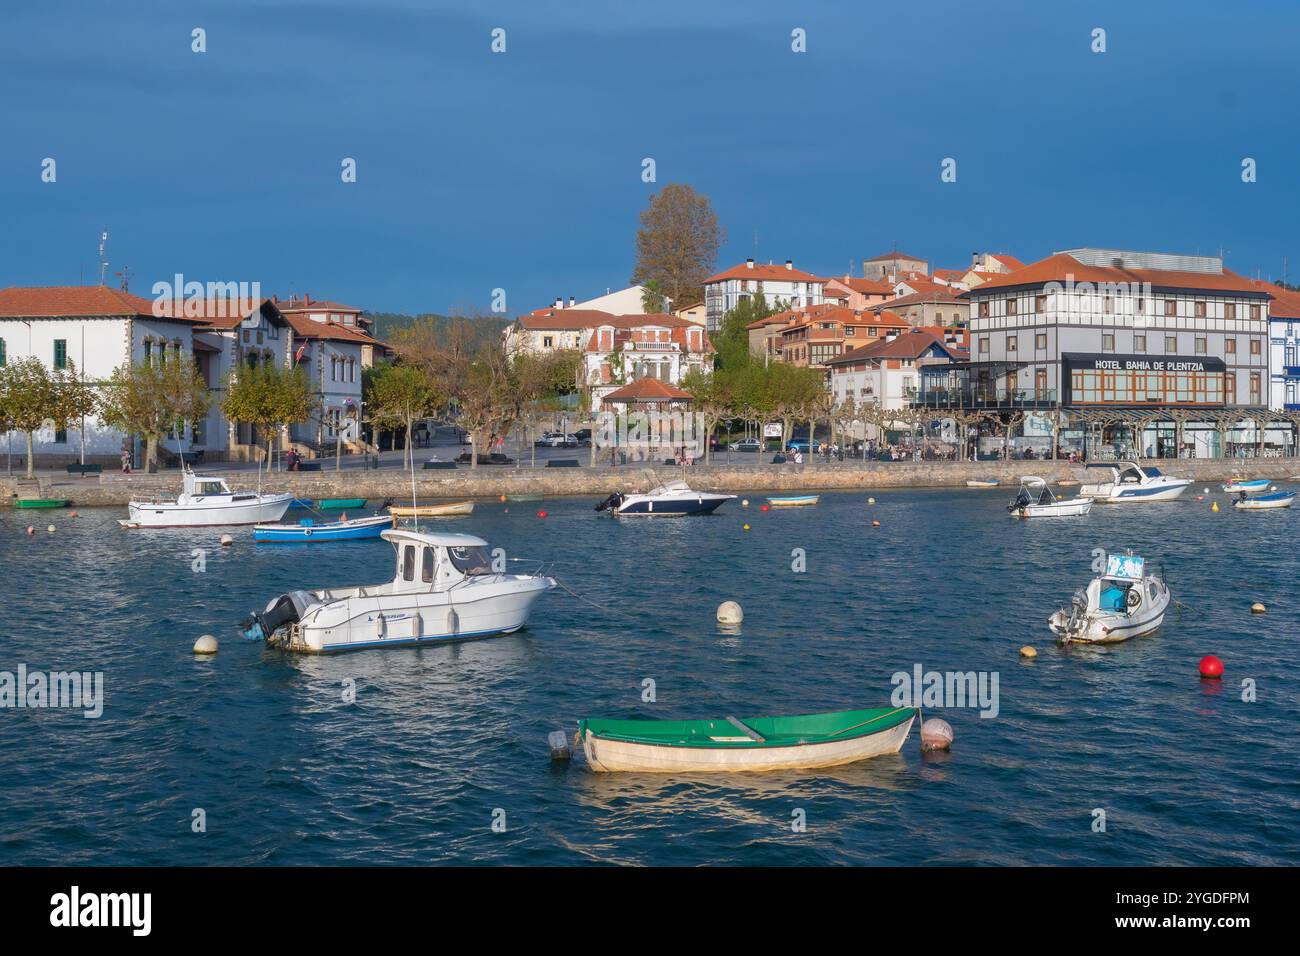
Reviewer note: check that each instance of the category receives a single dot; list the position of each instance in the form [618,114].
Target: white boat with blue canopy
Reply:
[1128,600]
[1133,483]
[447,587]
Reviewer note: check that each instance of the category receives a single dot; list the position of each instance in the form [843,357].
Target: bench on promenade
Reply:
[76,469]
[308,466]
[562,463]
[439,465]
[191,457]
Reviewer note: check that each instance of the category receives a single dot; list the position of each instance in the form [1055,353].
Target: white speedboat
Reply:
[1036,500]
[447,587]
[1125,602]
[672,499]
[206,502]
[1130,482]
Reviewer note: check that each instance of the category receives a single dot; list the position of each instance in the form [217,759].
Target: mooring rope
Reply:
[569,590]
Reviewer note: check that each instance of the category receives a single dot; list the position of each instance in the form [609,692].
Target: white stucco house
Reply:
[724,291]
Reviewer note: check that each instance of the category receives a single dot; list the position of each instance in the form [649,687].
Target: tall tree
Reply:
[268,397]
[677,244]
[398,396]
[151,399]
[27,394]
[732,340]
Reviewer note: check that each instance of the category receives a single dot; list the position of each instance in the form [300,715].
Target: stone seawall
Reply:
[494,481]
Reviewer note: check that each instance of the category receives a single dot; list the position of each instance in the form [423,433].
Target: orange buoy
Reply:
[1211,667]
[875,524]
[31,530]
[503,497]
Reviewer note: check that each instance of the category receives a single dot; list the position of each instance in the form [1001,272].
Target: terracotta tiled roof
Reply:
[648,390]
[1011,262]
[74,301]
[313,305]
[1062,267]
[772,273]
[909,345]
[952,275]
[221,314]
[866,286]
[1285,304]
[886,257]
[305,328]
[563,319]
[938,295]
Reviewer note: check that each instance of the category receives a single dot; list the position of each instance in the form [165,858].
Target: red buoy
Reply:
[764,508]
[541,514]
[1211,667]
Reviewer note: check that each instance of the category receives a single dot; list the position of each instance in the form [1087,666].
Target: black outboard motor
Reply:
[1021,500]
[610,503]
[286,609]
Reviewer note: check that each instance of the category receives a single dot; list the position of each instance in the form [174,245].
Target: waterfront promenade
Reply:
[492,481]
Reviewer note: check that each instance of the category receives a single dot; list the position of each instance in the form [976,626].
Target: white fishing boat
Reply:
[1036,500]
[1126,601]
[206,502]
[1281,499]
[446,588]
[673,499]
[982,482]
[1130,482]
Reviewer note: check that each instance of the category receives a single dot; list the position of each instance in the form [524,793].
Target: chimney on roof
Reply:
[559,302]
[749,263]
[789,263]
[306,298]
[275,298]
[572,301]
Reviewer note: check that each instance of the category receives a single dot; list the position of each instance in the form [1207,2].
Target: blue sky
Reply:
[522,170]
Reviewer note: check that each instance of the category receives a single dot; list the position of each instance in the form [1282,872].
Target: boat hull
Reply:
[799,501]
[978,483]
[358,529]
[1282,499]
[672,508]
[1108,627]
[448,510]
[606,755]
[239,509]
[468,613]
[1073,507]
[1109,493]
[41,503]
[1255,484]
[339,504]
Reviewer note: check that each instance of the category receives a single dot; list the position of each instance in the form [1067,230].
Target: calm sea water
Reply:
[440,739]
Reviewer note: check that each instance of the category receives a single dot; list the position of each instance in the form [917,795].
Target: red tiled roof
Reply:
[866,286]
[1011,262]
[909,345]
[940,294]
[774,273]
[648,390]
[305,328]
[563,319]
[75,301]
[1063,267]
[886,257]
[1285,304]
[313,305]
[213,313]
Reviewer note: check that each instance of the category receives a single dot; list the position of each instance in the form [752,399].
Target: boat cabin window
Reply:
[426,566]
[209,488]
[1153,472]
[408,563]
[470,560]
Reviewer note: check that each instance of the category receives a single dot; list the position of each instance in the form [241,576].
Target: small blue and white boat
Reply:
[794,501]
[1233,485]
[1280,499]
[353,529]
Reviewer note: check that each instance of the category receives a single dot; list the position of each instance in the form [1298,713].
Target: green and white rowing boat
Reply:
[732,744]
[41,502]
[337,504]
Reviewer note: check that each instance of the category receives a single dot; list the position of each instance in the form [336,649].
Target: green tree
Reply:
[653,299]
[27,395]
[732,339]
[268,397]
[677,244]
[397,396]
[74,400]
[151,399]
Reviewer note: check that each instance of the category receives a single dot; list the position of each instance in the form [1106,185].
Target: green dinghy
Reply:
[42,502]
[740,744]
[338,504]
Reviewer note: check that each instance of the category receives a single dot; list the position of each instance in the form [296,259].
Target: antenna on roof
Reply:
[125,276]
[103,263]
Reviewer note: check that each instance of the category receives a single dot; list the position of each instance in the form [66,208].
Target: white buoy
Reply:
[559,744]
[227,540]
[729,612]
[871,501]
[744,503]
[936,734]
[50,529]
[207,644]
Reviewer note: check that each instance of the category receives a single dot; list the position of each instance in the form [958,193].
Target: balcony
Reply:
[649,346]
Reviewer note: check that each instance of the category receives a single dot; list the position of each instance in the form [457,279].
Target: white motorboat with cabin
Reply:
[1130,482]
[1126,601]
[206,501]
[672,499]
[1036,500]
[447,587]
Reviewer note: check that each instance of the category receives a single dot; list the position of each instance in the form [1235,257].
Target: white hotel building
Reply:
[724,291]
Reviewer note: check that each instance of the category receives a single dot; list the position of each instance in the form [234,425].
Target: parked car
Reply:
[747,444]
[798,444]
[551,440]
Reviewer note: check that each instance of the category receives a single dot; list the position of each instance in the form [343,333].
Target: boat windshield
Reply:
[1153,472]
[217,487]
[471,560]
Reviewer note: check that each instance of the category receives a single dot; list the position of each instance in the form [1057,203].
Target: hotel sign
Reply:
[1077,361]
